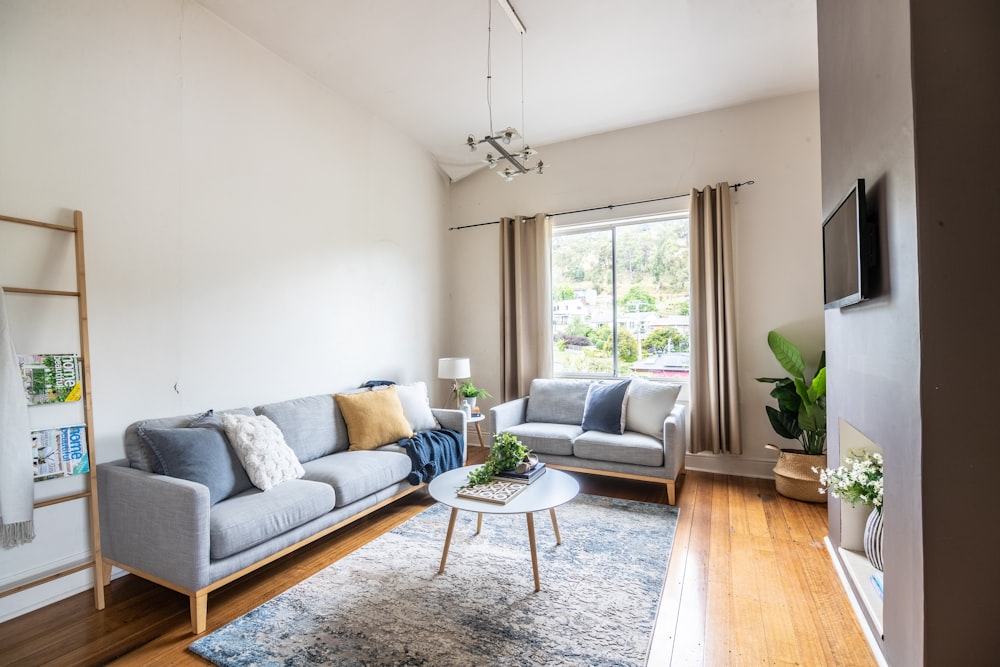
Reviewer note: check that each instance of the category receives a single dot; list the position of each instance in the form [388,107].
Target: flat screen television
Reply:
[848,251]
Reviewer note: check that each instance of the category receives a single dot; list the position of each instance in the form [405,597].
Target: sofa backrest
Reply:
[137,451]
[312,426]
[557,401]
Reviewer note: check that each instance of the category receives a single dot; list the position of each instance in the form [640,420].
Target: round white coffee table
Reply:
[552,489]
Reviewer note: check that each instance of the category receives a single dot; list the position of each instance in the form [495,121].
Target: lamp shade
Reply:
[454,368]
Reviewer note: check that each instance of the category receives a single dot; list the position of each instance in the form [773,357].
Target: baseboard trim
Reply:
[739,466]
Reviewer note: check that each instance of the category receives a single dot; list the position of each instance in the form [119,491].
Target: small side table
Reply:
[476,419]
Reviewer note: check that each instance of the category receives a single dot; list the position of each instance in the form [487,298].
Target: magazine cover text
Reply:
[51,378]
[59,452]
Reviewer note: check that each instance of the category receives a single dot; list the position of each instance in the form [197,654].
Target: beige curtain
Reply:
[715,418]
[526,321]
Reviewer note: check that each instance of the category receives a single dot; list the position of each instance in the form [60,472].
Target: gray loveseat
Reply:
[551,419]
[172,531]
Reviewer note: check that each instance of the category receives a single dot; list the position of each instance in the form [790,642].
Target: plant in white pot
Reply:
[800,415]
[469,392]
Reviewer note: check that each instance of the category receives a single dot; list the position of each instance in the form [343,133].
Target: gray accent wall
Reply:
[909,97]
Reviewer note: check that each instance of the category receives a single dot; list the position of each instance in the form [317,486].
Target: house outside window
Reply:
[620,301]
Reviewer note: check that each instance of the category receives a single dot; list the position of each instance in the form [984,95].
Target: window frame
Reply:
[613,225]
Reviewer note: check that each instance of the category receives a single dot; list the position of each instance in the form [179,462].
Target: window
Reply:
[620,303]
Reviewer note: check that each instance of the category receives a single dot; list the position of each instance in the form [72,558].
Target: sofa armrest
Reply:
[156,524]
[456,421]
[508,414]
[675,440]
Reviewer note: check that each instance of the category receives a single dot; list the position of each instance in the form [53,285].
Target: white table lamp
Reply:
[454,369]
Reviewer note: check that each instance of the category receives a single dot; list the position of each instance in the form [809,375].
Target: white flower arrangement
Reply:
[859,480]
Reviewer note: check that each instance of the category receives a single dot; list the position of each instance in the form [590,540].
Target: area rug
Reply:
[386,604]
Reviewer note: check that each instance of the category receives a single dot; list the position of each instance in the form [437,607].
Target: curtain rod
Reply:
[735,186]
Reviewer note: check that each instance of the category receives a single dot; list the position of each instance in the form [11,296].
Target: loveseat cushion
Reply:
[200,455]
[262,450]
[630,447]
[649,405]
[417,406]
[604,409]
[137,451]
[374,418]
[354,475]
[557,401]
[546,438]
[253,517]
[307,424]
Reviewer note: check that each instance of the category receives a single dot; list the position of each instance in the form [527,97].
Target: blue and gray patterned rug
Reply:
[385,604]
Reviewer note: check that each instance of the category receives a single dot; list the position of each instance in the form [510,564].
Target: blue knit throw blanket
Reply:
[432,453]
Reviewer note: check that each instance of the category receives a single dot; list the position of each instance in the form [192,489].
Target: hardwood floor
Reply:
[749,583]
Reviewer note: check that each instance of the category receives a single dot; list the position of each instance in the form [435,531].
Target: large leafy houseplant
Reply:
[801,411]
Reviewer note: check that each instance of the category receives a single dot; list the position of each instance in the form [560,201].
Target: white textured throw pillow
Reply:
[649,405]
[262,450]
[416,406]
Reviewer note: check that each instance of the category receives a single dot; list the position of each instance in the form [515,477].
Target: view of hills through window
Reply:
[620,301]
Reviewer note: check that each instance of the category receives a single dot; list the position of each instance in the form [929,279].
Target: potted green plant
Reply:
[800,415]
[469,392]
[507,452]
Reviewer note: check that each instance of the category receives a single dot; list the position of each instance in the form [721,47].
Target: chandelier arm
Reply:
[506,155]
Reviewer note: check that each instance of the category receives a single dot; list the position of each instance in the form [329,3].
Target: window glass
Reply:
[620,298]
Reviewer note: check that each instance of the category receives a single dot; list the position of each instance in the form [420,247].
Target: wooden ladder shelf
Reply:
[94,560]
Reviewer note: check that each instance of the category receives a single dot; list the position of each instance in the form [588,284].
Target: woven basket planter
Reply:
[794,477]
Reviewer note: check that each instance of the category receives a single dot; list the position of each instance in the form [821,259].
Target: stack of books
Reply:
[525,477]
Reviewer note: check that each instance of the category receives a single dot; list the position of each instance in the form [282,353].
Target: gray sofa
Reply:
[170,531]
[550,421]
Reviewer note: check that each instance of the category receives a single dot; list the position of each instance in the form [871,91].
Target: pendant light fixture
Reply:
[516,159]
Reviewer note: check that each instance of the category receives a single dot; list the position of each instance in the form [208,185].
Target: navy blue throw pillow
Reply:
[605,407]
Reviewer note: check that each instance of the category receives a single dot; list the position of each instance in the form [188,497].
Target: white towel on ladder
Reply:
[17,493]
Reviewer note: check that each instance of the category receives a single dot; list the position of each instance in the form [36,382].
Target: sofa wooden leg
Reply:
[105,572]
[671,493]
[199,612]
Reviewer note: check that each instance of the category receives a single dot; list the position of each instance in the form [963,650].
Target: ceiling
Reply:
[590,66]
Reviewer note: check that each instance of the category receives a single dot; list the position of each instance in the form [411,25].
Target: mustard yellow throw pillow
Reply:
[374,418]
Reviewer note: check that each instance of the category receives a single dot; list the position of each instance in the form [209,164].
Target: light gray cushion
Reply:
[557,401]
[628,448]
[605,407]
[250,518]
[307,424]
[356,474]
[417,406]
[546,438]
[200,455]
[137,451]
[649,405]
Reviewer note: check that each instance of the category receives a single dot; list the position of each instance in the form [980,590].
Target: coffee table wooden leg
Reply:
[534,553]
[479,524]
[555,524]
[447,539]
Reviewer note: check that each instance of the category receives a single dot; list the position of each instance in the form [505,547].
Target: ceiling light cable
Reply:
[497,141]
[489,62]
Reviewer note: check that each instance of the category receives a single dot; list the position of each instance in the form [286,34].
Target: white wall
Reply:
[251,236]
[777,232]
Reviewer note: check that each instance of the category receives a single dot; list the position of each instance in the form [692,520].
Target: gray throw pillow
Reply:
[605,407]
[200,455]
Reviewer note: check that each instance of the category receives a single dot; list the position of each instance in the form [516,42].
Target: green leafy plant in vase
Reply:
[801,416]
[507,452]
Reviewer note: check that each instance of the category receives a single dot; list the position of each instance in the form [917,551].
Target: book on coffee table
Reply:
[498,491]
[526,477]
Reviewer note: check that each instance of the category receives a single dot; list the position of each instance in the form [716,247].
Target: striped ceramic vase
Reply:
[873,539]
